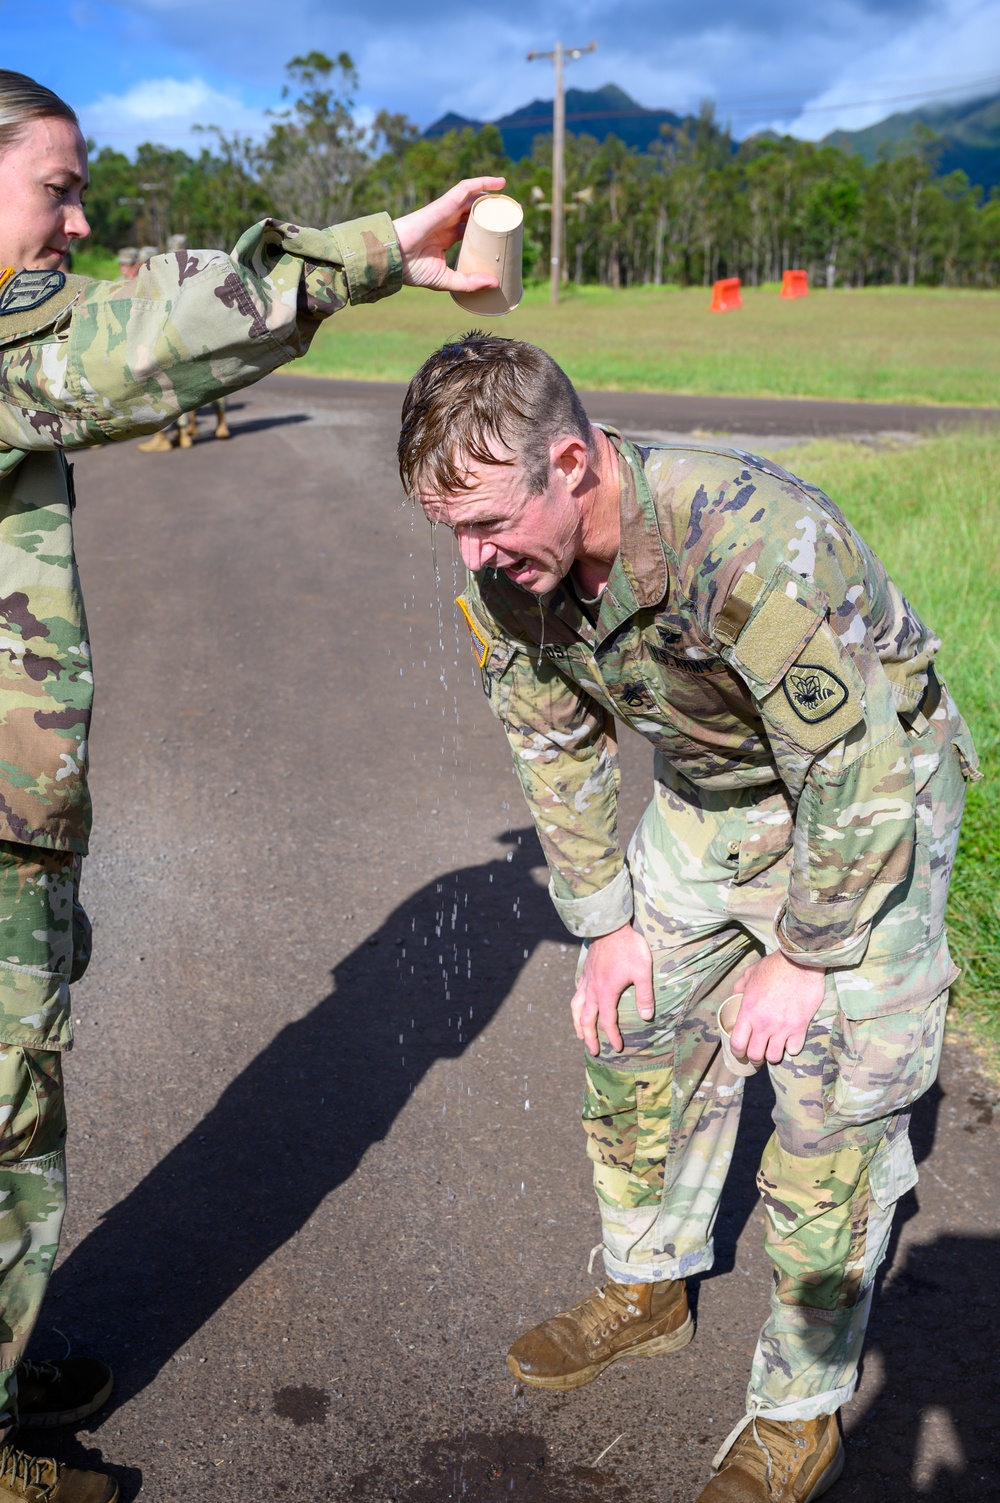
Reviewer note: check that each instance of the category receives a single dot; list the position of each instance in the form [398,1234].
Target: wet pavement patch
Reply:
[492,1468]
[302,1405]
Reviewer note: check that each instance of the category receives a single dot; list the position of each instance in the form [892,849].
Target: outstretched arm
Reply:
[124,358]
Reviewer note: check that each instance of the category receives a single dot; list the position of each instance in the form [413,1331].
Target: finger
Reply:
[576,1006]
[471,187]
[608,1017]
[463,281]
[644,999]
[775,1051]
[755,1047]
[589,1035]
[740,1036]
[794,1043]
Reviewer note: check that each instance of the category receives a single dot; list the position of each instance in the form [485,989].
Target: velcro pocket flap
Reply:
[892,984]
[786,616]
[892,1172]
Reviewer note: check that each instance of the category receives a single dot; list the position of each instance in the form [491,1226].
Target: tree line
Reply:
[692,208]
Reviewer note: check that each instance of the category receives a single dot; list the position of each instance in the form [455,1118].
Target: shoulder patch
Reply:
[32,300]
[813,692]
[29,289]
[820,695]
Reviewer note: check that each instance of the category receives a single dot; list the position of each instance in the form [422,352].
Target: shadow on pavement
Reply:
[292,1127]
[934,1327]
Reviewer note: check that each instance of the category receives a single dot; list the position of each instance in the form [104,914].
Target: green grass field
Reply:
[879,345]
[930,513]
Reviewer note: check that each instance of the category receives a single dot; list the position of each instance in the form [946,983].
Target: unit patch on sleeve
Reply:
[814,693]
[29,289]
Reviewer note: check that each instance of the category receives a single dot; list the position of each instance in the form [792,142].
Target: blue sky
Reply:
[151,69]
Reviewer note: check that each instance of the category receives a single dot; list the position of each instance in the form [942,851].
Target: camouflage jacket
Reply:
[751,635]
[86,363]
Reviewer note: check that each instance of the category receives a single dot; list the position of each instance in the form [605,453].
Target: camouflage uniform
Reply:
[85,363]
[809,782]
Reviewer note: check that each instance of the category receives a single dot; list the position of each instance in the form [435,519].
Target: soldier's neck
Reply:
[601,531]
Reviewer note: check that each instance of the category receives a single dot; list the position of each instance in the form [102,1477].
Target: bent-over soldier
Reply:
[809,779]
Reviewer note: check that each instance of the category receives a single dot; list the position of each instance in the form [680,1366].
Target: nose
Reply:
[476,554]
[75,223]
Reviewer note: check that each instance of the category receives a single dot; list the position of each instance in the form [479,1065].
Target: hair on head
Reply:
[488,399]
[23,100]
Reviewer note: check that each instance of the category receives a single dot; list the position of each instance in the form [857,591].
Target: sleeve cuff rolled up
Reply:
[601,912]
[848,952]
[372,259]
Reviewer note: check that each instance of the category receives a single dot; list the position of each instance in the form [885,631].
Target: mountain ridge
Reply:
[967,131]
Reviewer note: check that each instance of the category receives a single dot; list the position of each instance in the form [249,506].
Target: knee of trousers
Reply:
[32,1105]
[828,1216]
[626,1117]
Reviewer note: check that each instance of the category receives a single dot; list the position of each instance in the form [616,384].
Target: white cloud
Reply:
[165,110]
[958,45]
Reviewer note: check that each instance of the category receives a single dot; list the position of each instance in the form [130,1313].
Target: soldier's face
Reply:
[43,177]
[500,523]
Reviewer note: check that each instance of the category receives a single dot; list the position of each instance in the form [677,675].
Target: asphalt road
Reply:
[326,1162]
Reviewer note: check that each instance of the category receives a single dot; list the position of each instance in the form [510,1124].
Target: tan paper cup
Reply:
[728,1013]
[492,246]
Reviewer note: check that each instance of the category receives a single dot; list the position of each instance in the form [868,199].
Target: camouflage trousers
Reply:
[44,944]
[661,1118]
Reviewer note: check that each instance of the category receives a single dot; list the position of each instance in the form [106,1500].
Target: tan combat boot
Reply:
[160,443]
[39,1479]
[187,431]
[787,1461]
[620,1320]
[222,427]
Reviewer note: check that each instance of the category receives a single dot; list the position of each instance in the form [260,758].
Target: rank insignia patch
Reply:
[814,693]
[30,289]
[637,696]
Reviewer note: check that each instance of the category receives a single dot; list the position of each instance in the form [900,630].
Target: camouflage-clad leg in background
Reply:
[661,1118]
[44,941]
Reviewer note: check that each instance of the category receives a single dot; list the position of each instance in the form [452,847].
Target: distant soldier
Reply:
[184,432]
[128,263]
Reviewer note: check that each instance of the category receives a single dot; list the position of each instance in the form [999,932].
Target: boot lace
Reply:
[37,1372]
[771,1458]
[602,1312]
[21,1470]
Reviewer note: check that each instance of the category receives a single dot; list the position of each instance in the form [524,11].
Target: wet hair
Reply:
[23,100]
[477,397]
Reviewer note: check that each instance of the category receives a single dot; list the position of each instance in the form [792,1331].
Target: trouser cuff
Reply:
[808,1408]
[656,1267]
[797,1409]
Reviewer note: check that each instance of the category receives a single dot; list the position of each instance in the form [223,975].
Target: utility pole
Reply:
[558,57]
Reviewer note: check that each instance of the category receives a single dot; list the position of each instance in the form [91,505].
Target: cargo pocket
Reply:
[32,1105]
[891,1173]
[626,1117]
[881,1065]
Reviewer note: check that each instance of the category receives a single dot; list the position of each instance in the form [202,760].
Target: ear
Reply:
[570,456]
